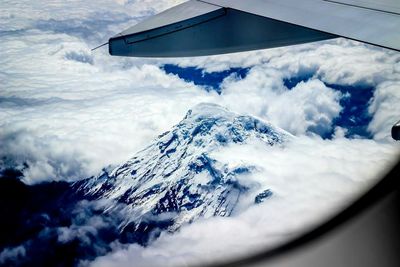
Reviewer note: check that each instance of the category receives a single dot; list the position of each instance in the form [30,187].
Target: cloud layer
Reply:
[66,112]
[310,178]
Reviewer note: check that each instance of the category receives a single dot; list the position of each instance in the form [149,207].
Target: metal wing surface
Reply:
[198,28]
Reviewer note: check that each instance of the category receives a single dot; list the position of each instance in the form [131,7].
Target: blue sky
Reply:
[69,112]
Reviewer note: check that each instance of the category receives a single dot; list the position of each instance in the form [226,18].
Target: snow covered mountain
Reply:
[176,178]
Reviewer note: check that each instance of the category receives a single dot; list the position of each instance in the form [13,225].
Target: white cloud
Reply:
[68,118]
[12,254]
[385,109]
[68,112]
[77,15]
[310,179]
[308,107]
[336,61]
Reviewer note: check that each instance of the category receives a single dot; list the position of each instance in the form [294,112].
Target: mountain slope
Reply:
[176,176]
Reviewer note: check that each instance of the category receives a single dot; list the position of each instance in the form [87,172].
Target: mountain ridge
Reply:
[176,173]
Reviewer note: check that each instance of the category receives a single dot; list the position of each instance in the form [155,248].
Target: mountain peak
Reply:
[220,126]
[177,174]
[203,110]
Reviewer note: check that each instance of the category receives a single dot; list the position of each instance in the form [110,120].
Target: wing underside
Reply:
[197,28]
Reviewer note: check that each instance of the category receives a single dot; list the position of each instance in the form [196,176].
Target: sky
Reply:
[67,112]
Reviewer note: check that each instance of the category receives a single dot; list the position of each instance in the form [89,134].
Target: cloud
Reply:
[385,109]
[59,98]
[310,106]
[13,254]
[337,61]
[51,219]
[67,112]
[334,62]
[311,179]
[76,17]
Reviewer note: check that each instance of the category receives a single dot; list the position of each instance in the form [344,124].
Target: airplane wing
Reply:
[198,28]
